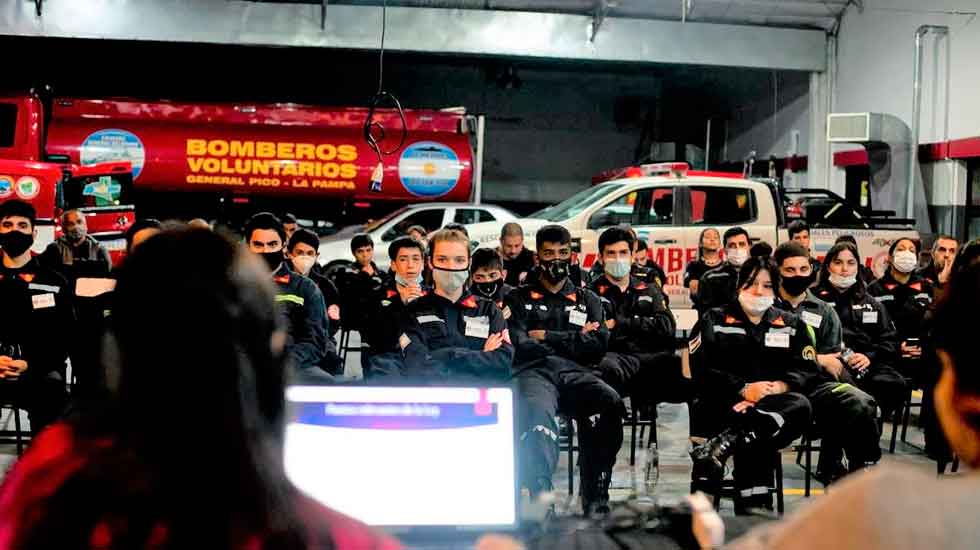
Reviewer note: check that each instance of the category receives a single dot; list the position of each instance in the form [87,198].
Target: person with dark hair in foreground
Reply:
[896,507]
[187,301]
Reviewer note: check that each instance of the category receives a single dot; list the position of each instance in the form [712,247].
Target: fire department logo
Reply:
[27,188]
[6,186]
[810,353]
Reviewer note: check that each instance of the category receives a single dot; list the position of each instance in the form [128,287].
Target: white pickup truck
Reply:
[669,208]
[335,249]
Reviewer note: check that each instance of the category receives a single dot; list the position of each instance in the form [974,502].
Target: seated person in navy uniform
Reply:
[753,365]
[37,317]
[560,334]
[449,334]
[869,335]
[303,254]
[641,361]
[489,276]
[300,303]
[381,355]
[718,286]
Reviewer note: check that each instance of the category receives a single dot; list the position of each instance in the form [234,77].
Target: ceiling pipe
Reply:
[920,33]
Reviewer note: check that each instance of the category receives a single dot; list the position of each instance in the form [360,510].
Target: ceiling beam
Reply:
[423,30]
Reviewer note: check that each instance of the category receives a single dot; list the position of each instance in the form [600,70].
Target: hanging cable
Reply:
[374,131]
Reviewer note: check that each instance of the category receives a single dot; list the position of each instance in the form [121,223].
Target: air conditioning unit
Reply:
[866,128]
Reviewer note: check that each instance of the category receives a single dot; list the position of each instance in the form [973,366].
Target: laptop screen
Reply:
[405,456]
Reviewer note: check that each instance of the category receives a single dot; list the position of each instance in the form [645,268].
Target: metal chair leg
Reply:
[19,437]
[808,453]
[780,502]
[895,421]
[633,423]
[571,457]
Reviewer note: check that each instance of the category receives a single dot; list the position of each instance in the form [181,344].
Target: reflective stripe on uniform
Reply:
[783,330]
[923,295]
[775,416]
[729,330]
[843,386]
[812,333]
[754,491]
[885,298]
[290,298]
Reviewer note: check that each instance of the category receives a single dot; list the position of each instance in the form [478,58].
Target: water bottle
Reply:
[651,468]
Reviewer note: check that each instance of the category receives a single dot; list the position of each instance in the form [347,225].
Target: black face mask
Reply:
[15,243]
[555,271]
[273,259]
[794,286]
[488,290]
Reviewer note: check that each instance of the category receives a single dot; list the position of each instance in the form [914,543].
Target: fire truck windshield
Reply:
[101,191]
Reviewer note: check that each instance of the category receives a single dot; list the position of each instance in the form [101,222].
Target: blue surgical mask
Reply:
[618,268]
[404,282]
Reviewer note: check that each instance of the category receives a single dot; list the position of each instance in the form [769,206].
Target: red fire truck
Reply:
[226,161]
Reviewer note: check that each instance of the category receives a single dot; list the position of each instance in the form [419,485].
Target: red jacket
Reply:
[56,455]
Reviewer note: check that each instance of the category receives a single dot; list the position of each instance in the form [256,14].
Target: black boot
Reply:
[709,458]
[595,502]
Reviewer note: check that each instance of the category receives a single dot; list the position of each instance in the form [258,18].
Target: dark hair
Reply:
[798,226]
[751,268]
[701,240]
[416,228]
[968,255]
[306,237]
[288,218]
[172,293]
[615,235]
[20,209]
[139,225]
[952,334]
[404,242]
[891,249]
[458,227]
[552,234]
[735,232]
[761,249]
[641,245]
[360,241]
[787,250]
[943,237]
[486,258]
[267,221]
[832,254]
[847,238]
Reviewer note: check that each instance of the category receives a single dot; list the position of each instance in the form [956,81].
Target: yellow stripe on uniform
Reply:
[801,492]
[290,298]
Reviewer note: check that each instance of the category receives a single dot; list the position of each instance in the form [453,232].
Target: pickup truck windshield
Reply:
[578,202]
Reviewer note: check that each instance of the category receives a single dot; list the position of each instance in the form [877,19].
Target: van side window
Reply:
[659,210]
[8,124]
[722,205]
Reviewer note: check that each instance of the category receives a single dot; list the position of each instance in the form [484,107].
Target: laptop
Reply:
[426,464]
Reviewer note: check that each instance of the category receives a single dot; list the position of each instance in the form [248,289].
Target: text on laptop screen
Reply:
[405,456]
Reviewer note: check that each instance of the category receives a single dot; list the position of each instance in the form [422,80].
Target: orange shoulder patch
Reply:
[469,302]
[536,295]
[283,279]
[779,322]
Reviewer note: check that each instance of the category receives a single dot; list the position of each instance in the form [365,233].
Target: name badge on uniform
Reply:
[812,319]
[645,299]
[577,318]
[869,317]
[478,327]
[42,301]
[777,340]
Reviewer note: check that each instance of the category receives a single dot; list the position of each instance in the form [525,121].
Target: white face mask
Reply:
[905,261]
[303,264]
[737,256]
[755,305]
[843,283]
